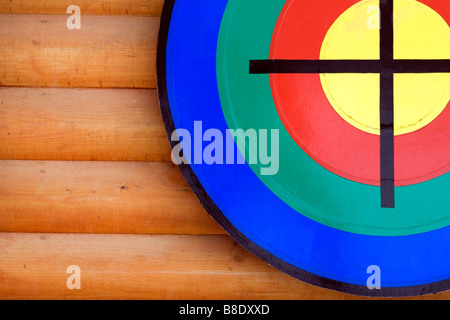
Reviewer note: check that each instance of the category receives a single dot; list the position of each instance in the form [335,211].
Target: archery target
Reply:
[319,217]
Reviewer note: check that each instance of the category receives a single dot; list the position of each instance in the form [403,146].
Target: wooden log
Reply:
[102,7]
[34,266]
[99,197]
[107,52]
[81,124]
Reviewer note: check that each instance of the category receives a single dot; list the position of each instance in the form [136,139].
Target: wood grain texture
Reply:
[142,267]
[99,197]
[145,267]
[107,52]
[81,124]
[100,7]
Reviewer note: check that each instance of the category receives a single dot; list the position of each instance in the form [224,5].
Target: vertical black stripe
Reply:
[387,31]
[387,171]
[387,140]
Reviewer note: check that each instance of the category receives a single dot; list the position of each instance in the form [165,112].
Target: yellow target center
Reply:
[419,33]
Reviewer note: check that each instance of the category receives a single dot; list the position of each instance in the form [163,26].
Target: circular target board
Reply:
[317,133]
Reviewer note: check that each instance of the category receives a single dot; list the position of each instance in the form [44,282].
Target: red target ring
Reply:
[320,131]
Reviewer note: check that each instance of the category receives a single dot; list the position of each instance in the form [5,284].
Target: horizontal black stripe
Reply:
[348,66]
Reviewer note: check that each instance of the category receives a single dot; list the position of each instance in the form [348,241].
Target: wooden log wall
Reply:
[85,171]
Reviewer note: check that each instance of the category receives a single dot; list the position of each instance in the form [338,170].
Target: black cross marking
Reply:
[387,66]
